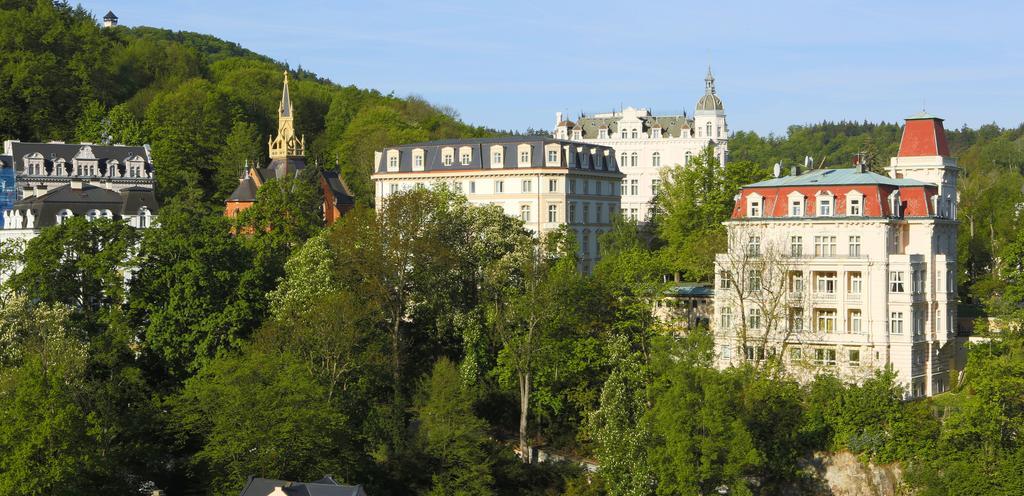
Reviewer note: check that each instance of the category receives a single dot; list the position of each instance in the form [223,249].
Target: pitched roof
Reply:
[342,196]
[246,191]
[835,177]
[258,486]
[694,289]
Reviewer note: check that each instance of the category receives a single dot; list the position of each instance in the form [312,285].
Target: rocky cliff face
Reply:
[842,474]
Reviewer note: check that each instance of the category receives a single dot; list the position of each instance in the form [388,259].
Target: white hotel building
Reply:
[543,181]
[646,143]
[846,270]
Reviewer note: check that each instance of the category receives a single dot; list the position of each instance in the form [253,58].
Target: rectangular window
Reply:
[918,323]
[854,322]
[754,246]
[599,214]
[753,281]
[634,187]
[552,156]
[825,356]
[826,321]
[418,160]
[896,323]
[572,212]
[465,159]
[824,246]
[755,208]
[796,320]
[726,319]
[552,213]
[447,159]
[855,284]
[496,159]
[855,207]
[499,187]
[572,186]
[586,186]
[655,184]
[796,246]
[472,186]
[394,188]
[586,213]
[796,208]
[754,318]
[896,282]
[825,282]
[726,352]
[524,158]
[725,279]
[796,283]
[824,207]
[527,186]
[552,185]
[854,246]
[853,358]
[795,354]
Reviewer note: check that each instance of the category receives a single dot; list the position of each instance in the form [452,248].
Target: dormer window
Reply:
[524,155]
[796,205]
[577,134]
[754,205]
[465,155]
[826,205]
[552,156]
[602,133]
[855,207]
[464,159]
[64,215]
[393,156]
[656,132]
[448,156]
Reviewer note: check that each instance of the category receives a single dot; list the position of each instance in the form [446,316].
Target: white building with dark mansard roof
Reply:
[646,143]
[55,181]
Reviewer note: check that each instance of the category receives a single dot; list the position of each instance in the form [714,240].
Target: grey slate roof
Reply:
[674,126]
[258,486]
[481,156]
[276,169]
[51,152]
[110,16]
[836,177]
[80,201]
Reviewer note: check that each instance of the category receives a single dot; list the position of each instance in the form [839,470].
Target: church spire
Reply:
[286,144]
[709,82]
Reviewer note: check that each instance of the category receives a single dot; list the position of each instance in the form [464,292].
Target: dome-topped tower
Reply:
[710,102]
[709,119]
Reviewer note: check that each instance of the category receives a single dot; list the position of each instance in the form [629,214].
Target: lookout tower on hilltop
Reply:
[109,20]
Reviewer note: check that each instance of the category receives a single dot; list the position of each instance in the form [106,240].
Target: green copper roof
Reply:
[922,115]
[835,177]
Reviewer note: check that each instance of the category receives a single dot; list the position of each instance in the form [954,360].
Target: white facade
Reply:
[845,274]
[645,144]
[544,195]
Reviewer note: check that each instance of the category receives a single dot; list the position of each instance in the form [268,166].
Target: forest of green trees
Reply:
[412,347]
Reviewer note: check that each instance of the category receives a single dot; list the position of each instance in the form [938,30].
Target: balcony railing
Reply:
[827,297]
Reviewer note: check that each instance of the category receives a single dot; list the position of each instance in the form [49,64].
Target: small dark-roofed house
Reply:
[258,486]
[687,305]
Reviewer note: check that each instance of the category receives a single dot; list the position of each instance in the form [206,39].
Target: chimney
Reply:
[795,170]
[77,184]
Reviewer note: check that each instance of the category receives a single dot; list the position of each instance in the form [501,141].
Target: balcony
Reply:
[825,297]
[853,297]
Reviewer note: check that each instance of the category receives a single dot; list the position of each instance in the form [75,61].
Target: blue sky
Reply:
[513,64]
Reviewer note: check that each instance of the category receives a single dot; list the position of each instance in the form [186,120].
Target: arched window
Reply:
[709,130]
[686,159]
[64,215]
[624,134]
[656,159]
[632,160]
[92,214]
[622,162]
[107,214]
[634,133]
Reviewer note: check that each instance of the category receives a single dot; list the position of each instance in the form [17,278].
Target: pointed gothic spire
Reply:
[709,82]
[285,109]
